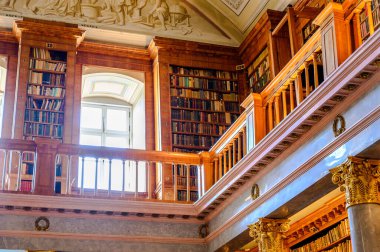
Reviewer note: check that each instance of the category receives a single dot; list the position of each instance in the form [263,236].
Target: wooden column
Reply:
[240,152]
[291,95]
[45,172]
[220,166]
[292,31]
[255,120]
[333,37]
[284,104]
[315,68]
[225,165]
[230,156]
[357,29]
[299,89]
[207,166]
[216,169]
[277,108]
[244,134]
[270,114]
[234,151]
[306,64]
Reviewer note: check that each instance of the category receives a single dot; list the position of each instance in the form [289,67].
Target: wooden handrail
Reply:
[230,133]
[17,145]
[129,154]
[290,69]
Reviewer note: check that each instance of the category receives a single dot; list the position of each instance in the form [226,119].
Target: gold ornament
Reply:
[269,234]
[359,179]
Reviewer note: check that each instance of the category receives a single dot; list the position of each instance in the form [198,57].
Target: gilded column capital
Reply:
[359,179]
[269,234]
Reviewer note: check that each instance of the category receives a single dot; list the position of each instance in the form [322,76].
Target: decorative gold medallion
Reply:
[42,224]
[339,125]
[255,191]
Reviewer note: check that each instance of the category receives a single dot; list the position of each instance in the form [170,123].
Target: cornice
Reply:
[102,237]
[114,50]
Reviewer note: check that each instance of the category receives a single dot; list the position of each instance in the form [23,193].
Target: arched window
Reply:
[113,115]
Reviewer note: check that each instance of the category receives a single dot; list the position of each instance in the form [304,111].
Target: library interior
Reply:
[190,125]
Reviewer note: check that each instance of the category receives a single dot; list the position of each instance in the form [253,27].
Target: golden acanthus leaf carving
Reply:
[359,179]
[269,234]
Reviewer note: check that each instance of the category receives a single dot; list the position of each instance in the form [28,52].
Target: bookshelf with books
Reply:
[204,103]
[369,17]
[259,72]
[44,110]
[181,173]
[335,238]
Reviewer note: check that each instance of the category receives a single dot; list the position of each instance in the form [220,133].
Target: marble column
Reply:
[360,180]
[269,234]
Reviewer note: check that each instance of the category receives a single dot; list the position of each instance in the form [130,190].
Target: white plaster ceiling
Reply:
[135,22]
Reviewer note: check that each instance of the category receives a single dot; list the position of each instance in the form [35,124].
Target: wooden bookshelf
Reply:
[369,17]
[203,104]
[259,72]
[186,181]
[335,238]
[45,94]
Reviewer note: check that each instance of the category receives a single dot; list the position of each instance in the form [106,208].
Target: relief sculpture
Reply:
[160,15]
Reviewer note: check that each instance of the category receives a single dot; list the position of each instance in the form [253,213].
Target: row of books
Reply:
[202,141]
[44,130]
[206,117]
[44,54]
[45,104]
[47,78]
[258,83]
[181,102]
[203,72]
[201,94]
[182,195]
[26,185]
[46,65]
[184,150]
[27,168]
[333,235]
[376,13]
[308,31]
[200,128]
[182,181]
[43,116]
[259,61]
[40,53]
[181,170]
[46,91]
[199,83]
[342,247]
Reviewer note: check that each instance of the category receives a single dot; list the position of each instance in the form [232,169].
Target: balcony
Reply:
[273,121]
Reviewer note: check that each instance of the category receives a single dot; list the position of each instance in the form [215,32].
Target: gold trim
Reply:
[41,224]
[341,123]
[269,234]
[359,179]
[255,191]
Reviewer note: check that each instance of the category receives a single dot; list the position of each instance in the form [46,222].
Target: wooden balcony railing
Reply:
[297,80]
[96,171]
[229,149]
[179,175]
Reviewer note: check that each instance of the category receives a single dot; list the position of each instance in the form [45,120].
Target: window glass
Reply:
[88,139]
[117,120]
[91,117]
[116,141]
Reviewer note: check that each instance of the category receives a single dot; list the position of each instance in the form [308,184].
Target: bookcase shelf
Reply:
[181,172]
[44,115]
[373,10]
[334,238]
[204,102]
[259,72]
